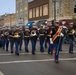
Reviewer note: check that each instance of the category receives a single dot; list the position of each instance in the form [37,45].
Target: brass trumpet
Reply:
[16,35]
[6,33]
[72,31]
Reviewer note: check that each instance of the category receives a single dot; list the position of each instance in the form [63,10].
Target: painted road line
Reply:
[29,61]
[38,53]
[1,73]
[5,54]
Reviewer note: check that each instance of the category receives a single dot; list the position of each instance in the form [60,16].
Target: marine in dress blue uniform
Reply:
[16,40]
[0,37]
[11,39]
[56,42]
[49,36]
[71,32]
[42,37]
[21,38]
[33,36]
[6,37]
[26,38]
[3,38]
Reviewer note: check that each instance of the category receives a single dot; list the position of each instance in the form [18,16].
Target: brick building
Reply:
[10,20]
[37,9]
[2,20]
[21,11]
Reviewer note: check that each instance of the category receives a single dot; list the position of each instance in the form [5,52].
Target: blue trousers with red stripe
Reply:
[41,45]
[3,43]
[50,49]
[71,45]
[33,46]
[7,43]
[56,47]
[11,45]
[26,44]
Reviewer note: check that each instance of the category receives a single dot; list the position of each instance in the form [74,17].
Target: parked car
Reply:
[44,22]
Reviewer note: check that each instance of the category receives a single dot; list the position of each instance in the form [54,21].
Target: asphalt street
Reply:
[38,64]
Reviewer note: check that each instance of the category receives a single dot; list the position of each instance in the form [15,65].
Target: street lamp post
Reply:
[54,1]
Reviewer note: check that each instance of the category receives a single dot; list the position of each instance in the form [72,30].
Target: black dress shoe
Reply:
[20,49]
[6,49]
[56,61]
[71,52]
[27,51]
[41,50]
[60,50]
[45,46]
[11,51]
[33,53]
[50,53]
[17,54]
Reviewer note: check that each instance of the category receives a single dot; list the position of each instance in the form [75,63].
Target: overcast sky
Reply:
[7,6]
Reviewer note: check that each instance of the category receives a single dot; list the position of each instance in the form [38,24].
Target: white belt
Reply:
[41,34]
[51,42]
[26,36]
[49,35]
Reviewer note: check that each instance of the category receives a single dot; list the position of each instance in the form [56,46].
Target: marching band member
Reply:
[21,38]
[0,37]
[62,36]
[46,41]
[17,40]
[41,37]
[49,37]
[3,39]
[33,36]
[11,39]
[6,36]
[56,40]
[26,38]
[71,32]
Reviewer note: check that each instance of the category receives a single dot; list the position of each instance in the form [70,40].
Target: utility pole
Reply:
[54,2]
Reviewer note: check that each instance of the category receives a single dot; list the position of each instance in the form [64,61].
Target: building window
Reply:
[20,0]
[75,7]
[17,11]
[33,12]
[30,1]
[37,11]
[30,13]
[25,14]
[45,10]
[21,15]
[25,8]
[60,7]
[40,10]
[57,8]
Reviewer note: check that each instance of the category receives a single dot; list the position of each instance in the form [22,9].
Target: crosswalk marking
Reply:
[1,73]
[29,61]
[38,53]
